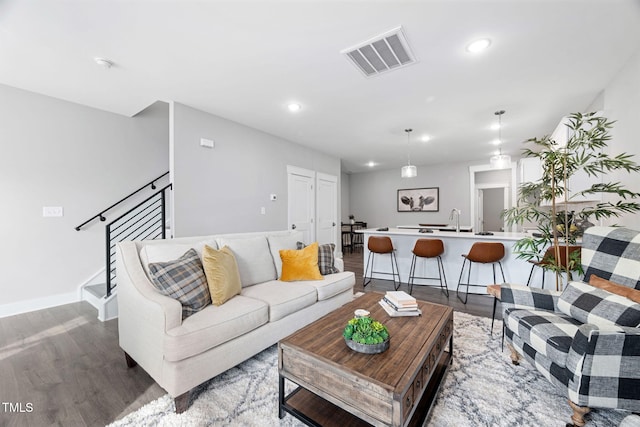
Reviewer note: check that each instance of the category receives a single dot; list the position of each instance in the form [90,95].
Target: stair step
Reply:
[99,290]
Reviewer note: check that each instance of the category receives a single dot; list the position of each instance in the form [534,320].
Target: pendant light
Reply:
[500,161]
[408,171]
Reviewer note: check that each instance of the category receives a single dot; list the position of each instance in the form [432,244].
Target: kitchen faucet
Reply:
[456,212]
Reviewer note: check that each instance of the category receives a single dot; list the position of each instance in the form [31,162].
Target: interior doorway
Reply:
[492,199]
[485,178]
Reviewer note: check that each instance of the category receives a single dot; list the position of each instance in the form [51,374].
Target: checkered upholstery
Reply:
[604,366]
[326,260]
[184,280]
[612,253]
[593,305]
[580,340]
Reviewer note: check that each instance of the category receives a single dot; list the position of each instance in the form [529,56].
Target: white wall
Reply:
[373,195]
[56,153]
[622,103]
[345,203]
[221,190]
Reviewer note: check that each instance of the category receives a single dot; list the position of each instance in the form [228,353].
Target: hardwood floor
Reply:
[61,366]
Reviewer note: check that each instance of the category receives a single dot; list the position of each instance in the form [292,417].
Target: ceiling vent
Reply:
[386,52]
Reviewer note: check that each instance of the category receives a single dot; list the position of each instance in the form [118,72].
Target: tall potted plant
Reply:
[548,201]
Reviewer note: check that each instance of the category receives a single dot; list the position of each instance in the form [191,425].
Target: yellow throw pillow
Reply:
[300,264]
[221,270]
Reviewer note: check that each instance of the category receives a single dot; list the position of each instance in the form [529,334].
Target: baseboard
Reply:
[12,309]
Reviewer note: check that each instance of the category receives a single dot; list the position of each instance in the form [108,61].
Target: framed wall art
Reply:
[419,199]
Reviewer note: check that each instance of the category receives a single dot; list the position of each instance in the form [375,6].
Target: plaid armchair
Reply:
[584,340]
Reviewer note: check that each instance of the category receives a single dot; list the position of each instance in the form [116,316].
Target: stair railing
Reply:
[145,221]
[101,214]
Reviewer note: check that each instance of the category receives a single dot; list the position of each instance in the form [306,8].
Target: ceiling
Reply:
[246,60]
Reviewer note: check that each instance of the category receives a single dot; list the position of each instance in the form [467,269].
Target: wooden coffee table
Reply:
[338,386]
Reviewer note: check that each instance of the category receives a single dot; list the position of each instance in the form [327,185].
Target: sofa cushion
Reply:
[213,326]
[332,284]
[279,242]
[614,288]
[549,334]
[221,270]
[163,252]
[283,298]
[255,263]
[182,279]
[301,264]
[588,304]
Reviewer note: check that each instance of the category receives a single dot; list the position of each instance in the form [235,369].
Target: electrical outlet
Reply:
[48,211]
[273,197]
[207,143]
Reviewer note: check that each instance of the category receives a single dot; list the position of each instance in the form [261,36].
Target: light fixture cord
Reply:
[499,114]
[408,131]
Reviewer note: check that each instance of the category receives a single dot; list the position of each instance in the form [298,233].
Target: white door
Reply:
[327,209]
[301,204]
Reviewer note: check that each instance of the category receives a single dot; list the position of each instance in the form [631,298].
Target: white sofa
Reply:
[181,354]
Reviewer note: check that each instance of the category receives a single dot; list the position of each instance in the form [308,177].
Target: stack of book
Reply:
[400,303]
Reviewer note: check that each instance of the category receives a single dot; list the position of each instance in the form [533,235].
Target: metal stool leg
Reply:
[412,271]
[397,271]
[442,274]
[364,277]
[531,274]
[460,282]
[495,303]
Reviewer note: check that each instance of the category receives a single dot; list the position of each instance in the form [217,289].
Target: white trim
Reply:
[38,304]
[472,189]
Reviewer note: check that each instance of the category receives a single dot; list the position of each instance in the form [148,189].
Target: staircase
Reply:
[147,220]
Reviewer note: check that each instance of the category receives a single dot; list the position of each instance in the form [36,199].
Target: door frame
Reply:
[479,193]
[509,201]
[333,179]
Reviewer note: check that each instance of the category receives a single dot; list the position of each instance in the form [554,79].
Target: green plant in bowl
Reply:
[365,330]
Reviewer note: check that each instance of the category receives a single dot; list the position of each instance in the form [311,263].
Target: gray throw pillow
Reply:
[183,279]
[326,259]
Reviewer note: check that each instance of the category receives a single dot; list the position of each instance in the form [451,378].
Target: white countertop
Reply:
[413,231]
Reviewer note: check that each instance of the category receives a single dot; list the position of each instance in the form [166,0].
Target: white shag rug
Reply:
[482,388]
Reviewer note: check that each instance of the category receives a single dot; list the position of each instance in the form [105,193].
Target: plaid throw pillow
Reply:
[326,260]
[183,279]
[588,304]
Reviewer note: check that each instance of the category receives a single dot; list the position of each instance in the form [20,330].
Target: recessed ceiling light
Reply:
[425,138]
[495,126]
[371,164]
[496,142]
[104,63]
[478,45]
[293,107]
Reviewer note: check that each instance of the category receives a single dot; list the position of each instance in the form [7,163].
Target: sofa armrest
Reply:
[603,366]
[339,264]
[144,315]
[524,297]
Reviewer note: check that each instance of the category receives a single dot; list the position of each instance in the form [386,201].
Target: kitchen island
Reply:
[455,245]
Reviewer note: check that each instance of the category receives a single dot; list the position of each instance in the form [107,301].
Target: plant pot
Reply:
[368,348]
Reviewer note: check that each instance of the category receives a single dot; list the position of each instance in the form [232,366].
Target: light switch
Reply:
[263,211]
[207,143]
[48,211]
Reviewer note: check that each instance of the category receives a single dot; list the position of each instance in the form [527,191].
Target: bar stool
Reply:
[483,253]
[381,245]
[547,260]
[428,248]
